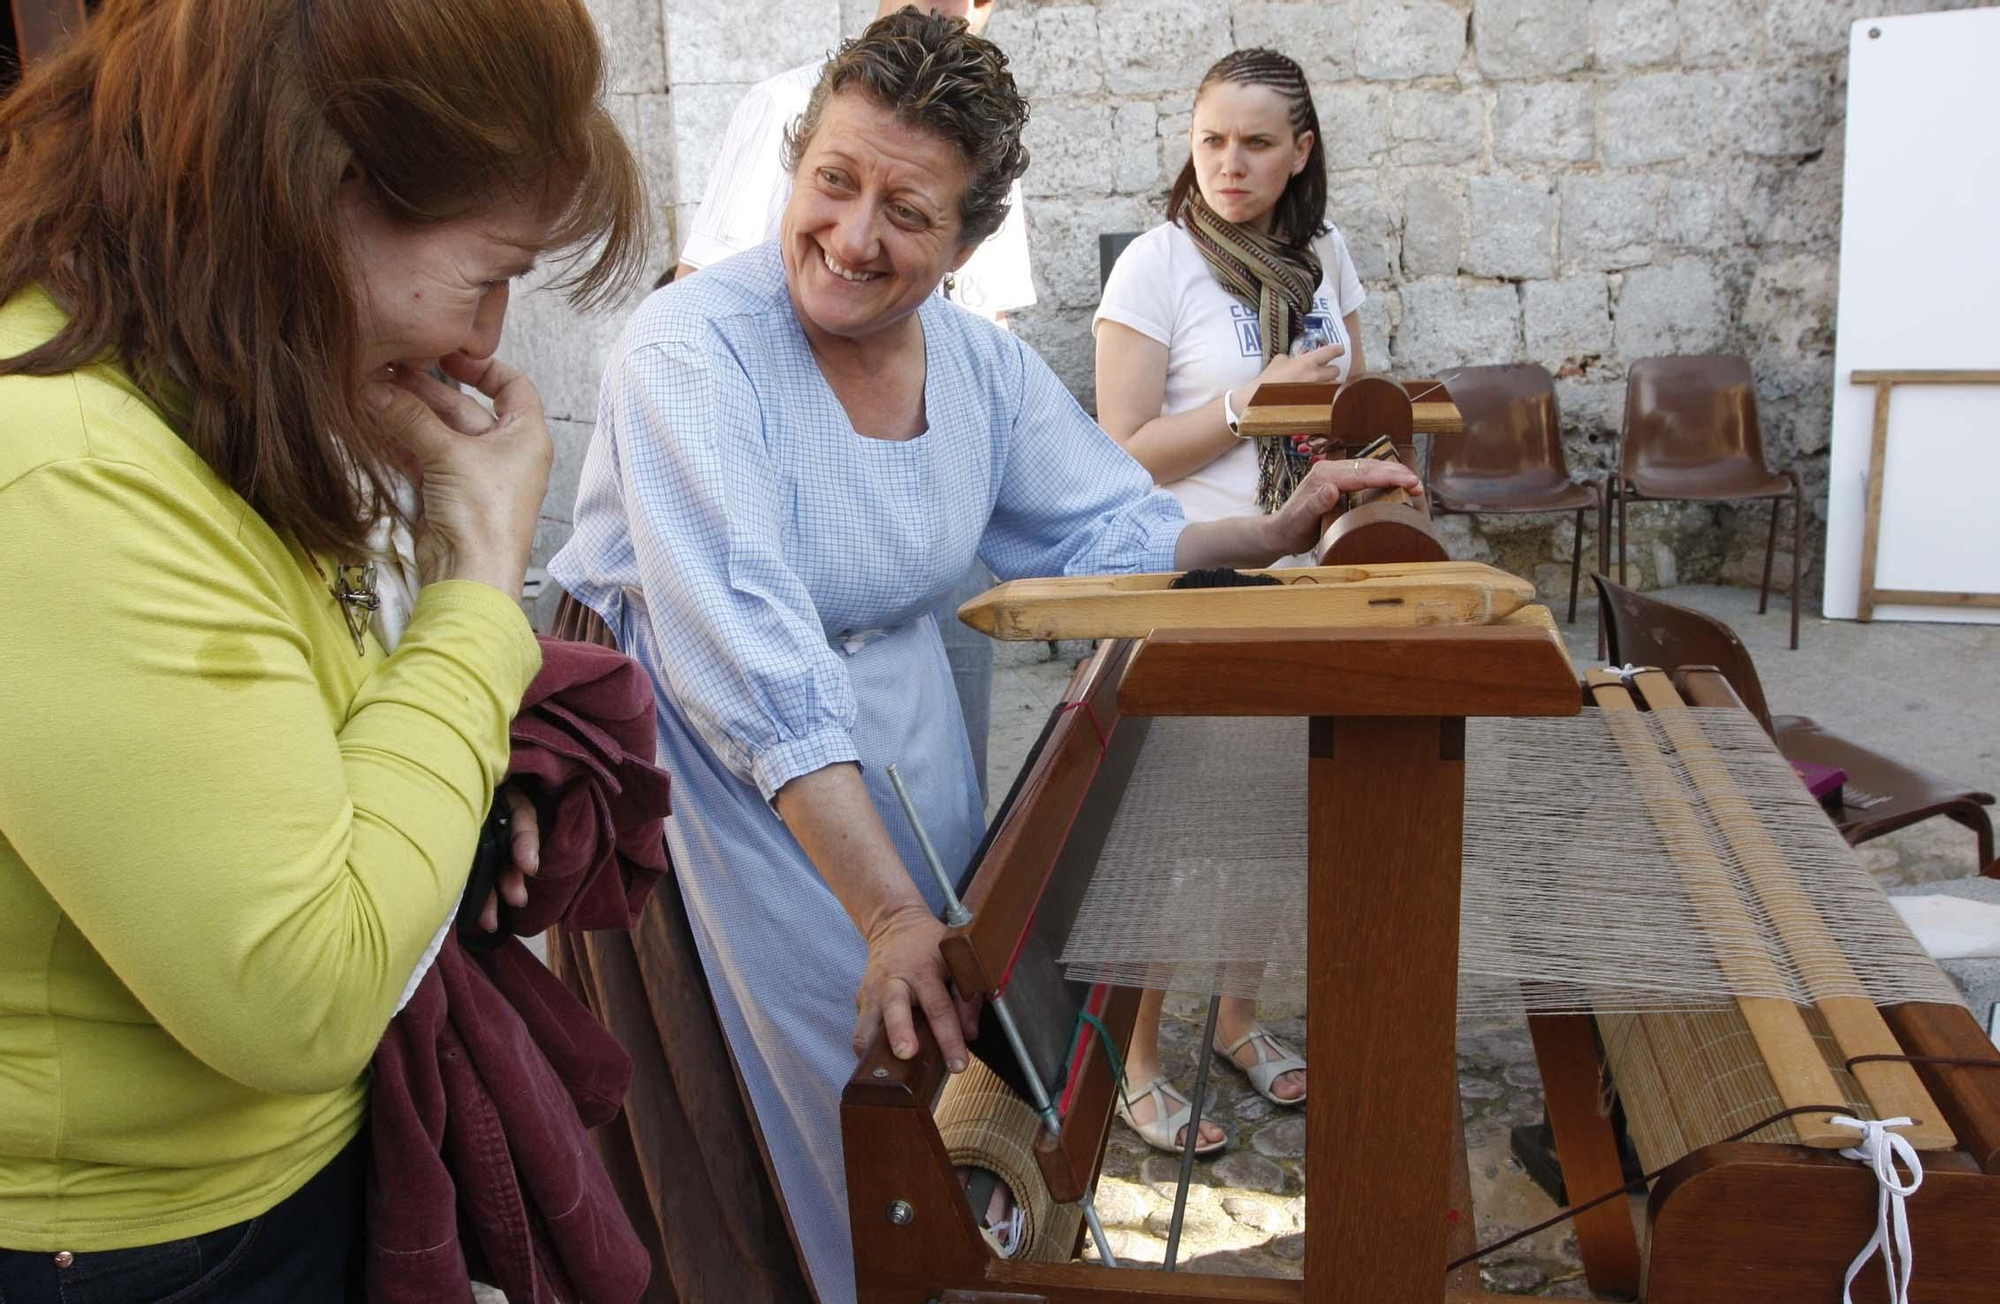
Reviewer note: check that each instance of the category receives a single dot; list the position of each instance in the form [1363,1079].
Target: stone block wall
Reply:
[678,67]
[1577,183]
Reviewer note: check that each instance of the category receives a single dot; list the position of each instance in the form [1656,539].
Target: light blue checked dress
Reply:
[774,570]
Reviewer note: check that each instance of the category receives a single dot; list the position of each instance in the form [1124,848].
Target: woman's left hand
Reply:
[1297,524]
[524,832]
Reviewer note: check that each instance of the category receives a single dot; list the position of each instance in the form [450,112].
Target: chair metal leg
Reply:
[1770,550]
[1973,816]
[1619,493]
[1603,554]
[1575,568]
[1799,551]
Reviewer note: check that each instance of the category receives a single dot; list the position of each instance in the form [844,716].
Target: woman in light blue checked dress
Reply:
[798,451]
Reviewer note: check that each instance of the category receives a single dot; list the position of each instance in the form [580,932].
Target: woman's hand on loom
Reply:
[905,974]
[1296,525]
[524,836]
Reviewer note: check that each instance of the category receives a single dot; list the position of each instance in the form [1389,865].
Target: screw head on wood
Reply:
[881,1073]
[901,1214]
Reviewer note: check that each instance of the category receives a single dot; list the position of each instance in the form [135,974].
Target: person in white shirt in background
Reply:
[747,191]
[1245,282]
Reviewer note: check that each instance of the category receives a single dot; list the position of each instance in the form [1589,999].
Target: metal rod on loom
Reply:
[1193,1127]
[957,916]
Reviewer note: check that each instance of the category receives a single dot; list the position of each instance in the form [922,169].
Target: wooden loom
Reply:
[1388,695]
[1769,1221]
[1760,1222]
[1387,662]
[1387,707]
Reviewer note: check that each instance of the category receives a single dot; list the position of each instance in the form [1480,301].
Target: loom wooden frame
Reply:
[1768,1223]
[1387,709]
[1885,383]
[1277,410]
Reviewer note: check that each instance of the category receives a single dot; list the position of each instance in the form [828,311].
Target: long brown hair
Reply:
[171,178]
[1299,216]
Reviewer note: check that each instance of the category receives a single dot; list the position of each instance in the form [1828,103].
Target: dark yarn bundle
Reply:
[1221,577]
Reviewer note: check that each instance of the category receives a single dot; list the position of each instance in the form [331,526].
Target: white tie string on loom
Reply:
[1880,1148]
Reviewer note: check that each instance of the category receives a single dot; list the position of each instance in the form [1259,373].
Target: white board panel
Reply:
[1920,290]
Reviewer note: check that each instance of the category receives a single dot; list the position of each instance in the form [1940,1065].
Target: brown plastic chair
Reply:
[1881,795]
[1691,435]
[1510,457]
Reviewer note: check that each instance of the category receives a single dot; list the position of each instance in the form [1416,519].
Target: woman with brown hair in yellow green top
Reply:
[235,238]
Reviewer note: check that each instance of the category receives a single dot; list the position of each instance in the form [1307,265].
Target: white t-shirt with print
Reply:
[748,189]
[1163,288]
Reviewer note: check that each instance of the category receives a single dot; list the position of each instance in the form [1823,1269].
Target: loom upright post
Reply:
[1382,995]
[1386,791]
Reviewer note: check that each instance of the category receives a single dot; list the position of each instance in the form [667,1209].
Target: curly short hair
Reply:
[935,75]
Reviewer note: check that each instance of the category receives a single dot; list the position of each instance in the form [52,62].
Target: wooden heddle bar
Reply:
[1777,1218]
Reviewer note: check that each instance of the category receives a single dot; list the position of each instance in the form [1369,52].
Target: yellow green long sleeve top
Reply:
[225,837]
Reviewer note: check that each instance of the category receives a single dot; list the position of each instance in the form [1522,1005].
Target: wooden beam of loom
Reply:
[1798,1070]
[1132,606]
[1893,1089]
[1277,411]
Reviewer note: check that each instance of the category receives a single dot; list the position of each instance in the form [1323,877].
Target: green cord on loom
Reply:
[1104,1039]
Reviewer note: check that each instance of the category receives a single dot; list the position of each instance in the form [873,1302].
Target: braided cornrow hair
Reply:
[1300,214]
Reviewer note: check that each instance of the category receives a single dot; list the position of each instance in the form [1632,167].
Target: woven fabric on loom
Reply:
[1603,870]
[1694,1077]
[983,1124]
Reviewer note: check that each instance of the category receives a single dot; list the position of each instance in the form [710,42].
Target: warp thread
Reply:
[1573,899]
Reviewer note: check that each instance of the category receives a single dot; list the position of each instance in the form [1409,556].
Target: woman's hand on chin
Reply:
[1295,527]
[482,475]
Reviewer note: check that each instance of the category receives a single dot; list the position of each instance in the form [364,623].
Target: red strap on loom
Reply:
[1100,996]
[1083,705]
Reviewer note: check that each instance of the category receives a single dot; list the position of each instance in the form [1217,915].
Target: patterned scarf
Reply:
[1278,281]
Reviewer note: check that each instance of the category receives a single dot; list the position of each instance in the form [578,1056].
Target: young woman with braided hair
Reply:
[1245,282]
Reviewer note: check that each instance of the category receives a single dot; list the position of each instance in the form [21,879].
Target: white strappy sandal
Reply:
[1161,1130]
[1274,1060]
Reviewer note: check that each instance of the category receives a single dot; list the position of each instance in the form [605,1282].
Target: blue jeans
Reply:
[300,1252]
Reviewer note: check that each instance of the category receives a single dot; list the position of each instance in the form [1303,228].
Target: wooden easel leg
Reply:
[1567,1055]
[1871,521]
[1387,804]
